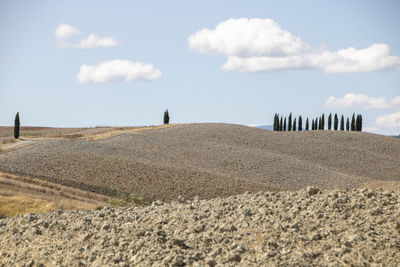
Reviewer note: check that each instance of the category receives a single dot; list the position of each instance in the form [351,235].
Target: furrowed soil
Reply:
[304,228]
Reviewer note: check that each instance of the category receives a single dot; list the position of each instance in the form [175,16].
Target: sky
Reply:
[122,63]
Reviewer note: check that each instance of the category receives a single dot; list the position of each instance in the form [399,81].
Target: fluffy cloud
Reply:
[247,38]
[116,71]
[64,34]
[365,101]
[253,45]
[389,120]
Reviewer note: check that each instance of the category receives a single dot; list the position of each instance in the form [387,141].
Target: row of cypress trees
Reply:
[281,124]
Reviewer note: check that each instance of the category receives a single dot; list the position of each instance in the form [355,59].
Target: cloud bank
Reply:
[117,71]
[391,120]
[256,44]
[65,33]
[369,102]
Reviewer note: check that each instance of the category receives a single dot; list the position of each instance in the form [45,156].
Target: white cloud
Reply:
[116,71]
[64,33]
[369,102]
[389,120]
[253,45]
[93,41]
[246,38]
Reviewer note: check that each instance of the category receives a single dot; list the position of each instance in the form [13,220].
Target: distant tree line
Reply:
[290,124]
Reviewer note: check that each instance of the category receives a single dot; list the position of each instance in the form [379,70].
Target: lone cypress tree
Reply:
[359,123]
[353,123]
[348,124]
[307,125]
[284,125]
[300,124]
[294,124]
[166,117]
[280,124]
[323,122]
[16,126]
[290,122]
[330,121]
[335,122]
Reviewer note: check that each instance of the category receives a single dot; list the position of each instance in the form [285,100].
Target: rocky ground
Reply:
[309,227]
[209,160]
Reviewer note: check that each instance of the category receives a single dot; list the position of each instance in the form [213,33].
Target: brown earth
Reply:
[208,160]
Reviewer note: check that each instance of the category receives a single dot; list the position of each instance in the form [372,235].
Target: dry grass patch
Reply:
[15,205]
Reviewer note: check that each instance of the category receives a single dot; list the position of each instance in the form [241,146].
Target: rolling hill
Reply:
[209,160]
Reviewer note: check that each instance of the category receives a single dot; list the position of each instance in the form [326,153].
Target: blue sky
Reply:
[91,63]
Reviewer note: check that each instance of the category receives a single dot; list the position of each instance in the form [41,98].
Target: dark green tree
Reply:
[307,125]
[342,123]
[166,117]
[280,124]
[330,121]
[316,123]
[300,124]
[323,122]
[348,125]
[294,124]
[284,125]
[353,123]
[359,123]
[335,122]
[16,126]
[312,125]
[320,123]
[290,122]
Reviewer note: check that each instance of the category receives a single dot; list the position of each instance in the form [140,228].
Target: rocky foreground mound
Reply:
[307,227]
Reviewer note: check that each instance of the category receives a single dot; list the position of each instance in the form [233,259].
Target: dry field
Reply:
[208,160]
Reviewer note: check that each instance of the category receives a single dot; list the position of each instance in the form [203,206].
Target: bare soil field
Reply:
[310,227]
[207,160]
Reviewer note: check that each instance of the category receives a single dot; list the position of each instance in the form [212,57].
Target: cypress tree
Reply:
[275,126]
[353,123]
[166,117]
[335,122]
[284,125]
[323,122]
[359,123]
[300,124]
[312,125]
[342,123]
[290,122]
[347,124]
[280,124]
[316,123]
[307,125]
[294,124]
[320,123]
[16,126]
[330,121]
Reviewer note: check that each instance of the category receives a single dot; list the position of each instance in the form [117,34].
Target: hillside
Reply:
[209,160]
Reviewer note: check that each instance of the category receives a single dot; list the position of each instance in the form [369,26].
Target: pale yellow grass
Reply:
[15,205]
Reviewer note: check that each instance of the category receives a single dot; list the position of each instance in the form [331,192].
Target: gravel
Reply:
[311,227]
[210,160]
